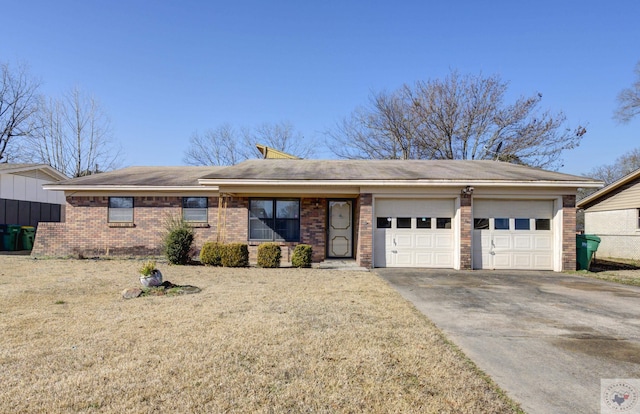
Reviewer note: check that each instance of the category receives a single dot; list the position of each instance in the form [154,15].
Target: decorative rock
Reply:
[131,293]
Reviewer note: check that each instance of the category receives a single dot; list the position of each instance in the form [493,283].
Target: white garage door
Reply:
[512,234]
[414,233]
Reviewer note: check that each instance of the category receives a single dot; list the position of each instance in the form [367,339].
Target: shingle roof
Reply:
[143,176]
[26,168]
[275,169]
[603,193]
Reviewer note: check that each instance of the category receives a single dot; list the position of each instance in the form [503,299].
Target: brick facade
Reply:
[364,235]
[569,232]
[87,233]
[465,232]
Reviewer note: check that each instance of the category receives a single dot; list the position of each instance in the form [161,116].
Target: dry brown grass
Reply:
[254,340]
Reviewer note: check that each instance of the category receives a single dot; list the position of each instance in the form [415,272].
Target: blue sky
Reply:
[163,70]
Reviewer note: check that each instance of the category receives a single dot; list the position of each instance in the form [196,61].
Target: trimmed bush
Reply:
[211,254]
[178,241]
[301,256]
[235,255]
[269,255]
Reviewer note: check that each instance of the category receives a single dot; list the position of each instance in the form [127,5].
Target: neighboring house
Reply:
[613,214]
[445,214]
[22,199]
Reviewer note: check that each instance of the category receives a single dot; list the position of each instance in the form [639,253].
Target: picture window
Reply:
[274,219]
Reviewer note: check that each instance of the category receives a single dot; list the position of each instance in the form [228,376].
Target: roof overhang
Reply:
[593,198]
[43,168]
[222,183]
[130,188]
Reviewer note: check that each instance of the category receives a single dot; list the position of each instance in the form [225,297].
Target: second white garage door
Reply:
[414,233]
[512,234]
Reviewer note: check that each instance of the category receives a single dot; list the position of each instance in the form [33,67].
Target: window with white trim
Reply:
[120,209]
[194,209]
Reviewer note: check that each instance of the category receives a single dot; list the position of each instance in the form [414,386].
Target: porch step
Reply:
[340,264]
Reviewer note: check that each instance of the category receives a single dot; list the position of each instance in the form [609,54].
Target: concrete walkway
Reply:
[545,338]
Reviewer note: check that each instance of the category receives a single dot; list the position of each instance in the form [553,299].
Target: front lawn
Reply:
[253,340]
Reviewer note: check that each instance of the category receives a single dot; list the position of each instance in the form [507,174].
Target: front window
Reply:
[194,209]
[274,219]
[120,209]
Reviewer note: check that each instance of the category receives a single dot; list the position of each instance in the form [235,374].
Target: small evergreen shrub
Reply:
[269,255]
[211,254]
[235,255]
[178,241]
[301,256]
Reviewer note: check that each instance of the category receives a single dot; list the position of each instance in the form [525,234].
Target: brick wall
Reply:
[364,220]
[465,232]
[86,231]
[569,232]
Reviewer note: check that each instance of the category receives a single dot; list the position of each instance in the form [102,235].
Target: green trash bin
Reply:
[27,236]
[10,233]
[3,229]
[586,246]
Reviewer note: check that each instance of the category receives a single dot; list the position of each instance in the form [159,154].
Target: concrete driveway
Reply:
[546,338]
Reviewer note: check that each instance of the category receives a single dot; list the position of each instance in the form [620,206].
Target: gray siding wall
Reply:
[627,196]
[618,230]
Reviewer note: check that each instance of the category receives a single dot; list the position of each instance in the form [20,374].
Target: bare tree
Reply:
[629,100]
[74,136]
[18,105]
[219,146]
[281,136]
[623,165]
[460,117]
[224,146]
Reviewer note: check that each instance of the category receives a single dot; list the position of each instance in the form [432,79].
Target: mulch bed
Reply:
[165,289]
[600,265]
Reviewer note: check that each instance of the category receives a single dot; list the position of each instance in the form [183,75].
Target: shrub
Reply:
[269,255]
[235,255]
[301,256]
[178,241]
[211,254]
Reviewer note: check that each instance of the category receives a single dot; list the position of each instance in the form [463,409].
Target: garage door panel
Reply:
[424,259]
[424,241]
[522,241]
[443,259]
[403,240]
[543,242]
[522,261]
[501,241]
[444,241]
[508,248]
[414,247]
[543,261]
[501,261]
[403,259]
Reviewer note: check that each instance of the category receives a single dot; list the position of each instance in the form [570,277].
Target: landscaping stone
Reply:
[131,293]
